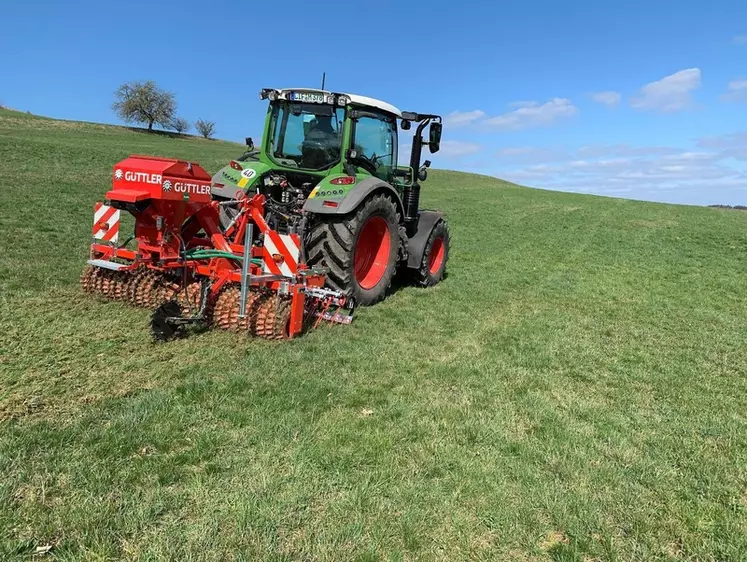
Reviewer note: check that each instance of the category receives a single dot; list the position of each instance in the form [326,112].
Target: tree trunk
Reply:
[150,126]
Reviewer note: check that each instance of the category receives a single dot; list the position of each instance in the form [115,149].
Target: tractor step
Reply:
[106,264]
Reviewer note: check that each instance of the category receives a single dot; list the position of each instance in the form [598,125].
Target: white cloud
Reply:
[732,145]
[522,103]
[457,149]
[737,153]
[740,39]
[736,92]
[607,98]
[451,149]
[730,140]
[463,118]
[525,115]
[532,155]
[532,114]
[624,151]
[671,93]
[698,175]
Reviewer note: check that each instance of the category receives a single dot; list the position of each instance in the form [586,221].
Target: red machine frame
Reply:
[167,228]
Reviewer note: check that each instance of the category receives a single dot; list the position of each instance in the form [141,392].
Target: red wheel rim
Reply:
[436,259]
[372,252]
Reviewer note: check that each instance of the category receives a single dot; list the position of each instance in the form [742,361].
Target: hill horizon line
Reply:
[191,137]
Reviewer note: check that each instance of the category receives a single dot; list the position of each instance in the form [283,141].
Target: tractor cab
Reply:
[312,134]
[325,132]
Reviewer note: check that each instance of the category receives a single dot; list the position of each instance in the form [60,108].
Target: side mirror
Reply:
[405,125]
[249,143]
[434,140]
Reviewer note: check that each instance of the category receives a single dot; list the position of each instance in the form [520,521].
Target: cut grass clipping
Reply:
[575,389]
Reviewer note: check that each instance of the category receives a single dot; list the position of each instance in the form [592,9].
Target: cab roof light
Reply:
[270,93]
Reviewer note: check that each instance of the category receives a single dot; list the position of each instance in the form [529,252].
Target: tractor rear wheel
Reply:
[435,255]
[359,249]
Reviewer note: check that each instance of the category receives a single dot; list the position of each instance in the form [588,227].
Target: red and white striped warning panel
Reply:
[281,253]
[105,223]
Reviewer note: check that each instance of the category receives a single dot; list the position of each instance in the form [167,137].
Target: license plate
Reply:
[307,97]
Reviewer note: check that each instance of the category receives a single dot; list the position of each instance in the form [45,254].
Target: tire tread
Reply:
[331,242]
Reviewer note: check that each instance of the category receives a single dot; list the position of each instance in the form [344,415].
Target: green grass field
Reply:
[575,390]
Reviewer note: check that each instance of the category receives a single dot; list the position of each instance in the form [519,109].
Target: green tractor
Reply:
[327,166]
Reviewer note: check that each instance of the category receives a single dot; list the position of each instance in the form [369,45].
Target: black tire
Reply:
[160,328]
[432,267]
[332,241]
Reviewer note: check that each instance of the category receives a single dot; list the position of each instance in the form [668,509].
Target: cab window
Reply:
[376,143]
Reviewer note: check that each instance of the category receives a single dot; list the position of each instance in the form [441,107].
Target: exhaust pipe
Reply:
[411,193]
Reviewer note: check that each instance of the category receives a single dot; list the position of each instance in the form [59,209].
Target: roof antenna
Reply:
[324,77]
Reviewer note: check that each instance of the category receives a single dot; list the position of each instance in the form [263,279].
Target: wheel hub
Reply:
[436,257]
[372,252]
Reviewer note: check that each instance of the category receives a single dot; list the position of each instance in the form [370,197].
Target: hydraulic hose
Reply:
[196,254]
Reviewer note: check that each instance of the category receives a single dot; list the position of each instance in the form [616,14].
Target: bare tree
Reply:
[145,102]
[205,128]
[180,125]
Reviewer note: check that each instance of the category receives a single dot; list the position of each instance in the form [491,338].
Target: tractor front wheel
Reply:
[359,250]
[435,255]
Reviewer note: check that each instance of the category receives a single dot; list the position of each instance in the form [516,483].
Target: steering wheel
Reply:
[374,160]
[316,144]
[325,149]
[367,164]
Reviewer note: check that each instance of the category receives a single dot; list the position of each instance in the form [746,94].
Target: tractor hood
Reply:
[237,176]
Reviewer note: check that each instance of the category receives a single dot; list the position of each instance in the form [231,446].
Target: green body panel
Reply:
[229,176]
[347,200]
[325,189]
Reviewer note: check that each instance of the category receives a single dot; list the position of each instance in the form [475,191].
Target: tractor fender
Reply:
[349,201]
[427,220]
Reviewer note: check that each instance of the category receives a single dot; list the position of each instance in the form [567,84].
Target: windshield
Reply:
[307,135]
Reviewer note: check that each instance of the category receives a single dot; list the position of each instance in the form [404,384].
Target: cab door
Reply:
[375,140]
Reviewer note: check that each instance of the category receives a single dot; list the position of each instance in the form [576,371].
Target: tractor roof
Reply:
[355,99]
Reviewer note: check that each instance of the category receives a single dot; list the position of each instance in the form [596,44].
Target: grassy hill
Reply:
[574,390]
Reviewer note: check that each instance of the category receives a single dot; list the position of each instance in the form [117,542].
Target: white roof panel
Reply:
[371,102]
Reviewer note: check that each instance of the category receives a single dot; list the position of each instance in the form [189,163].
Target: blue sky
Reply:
[646,100]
